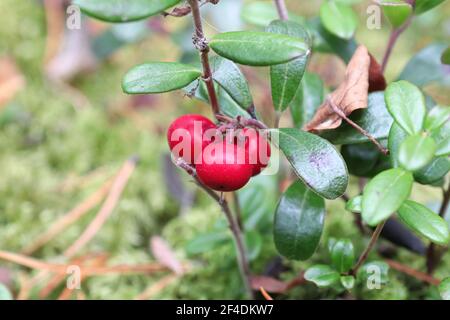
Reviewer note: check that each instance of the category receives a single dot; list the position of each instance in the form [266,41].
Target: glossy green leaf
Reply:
[307,100]
[437,117]
[314,160]
[342,255]
[231,79]
[339,19]
[425,5]
[262,13]
[360,158]
[445,57]
[406,104]
[256,48]
[396,11]
[396,137]
[434,171]
[123,10]
[158,77]
[424,221]
[375,119]
[298,222]
[5,294]
[322,275]
[354,204]
[442,138]
[426,66]
[206,242]
[348,282]
[416,152]
[384,194]
[285,78]
[444,288]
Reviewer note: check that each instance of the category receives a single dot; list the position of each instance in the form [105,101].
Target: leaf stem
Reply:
[201,45]
[233,223]
[282,10]
[395,34]
[341,114]
[365,254]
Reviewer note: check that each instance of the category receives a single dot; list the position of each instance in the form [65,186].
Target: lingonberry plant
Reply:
[389,136]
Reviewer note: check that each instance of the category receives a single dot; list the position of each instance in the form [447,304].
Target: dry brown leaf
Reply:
[165,255]
[349,96]
[11,80]
[268,283]
[377,82]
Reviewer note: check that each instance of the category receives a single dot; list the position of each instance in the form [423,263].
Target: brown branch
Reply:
[412,272]
[201,45]
[341,114]
[365,254]
[265,294]
[282,10]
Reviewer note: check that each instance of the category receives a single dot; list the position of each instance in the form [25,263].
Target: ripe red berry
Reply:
[258,150]
[224,167]
[186,136]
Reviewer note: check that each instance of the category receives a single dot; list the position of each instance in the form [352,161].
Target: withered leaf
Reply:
[268,283]
[349,96]
[377,82]
[165,255]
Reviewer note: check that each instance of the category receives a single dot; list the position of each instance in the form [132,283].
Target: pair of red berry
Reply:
[223,164]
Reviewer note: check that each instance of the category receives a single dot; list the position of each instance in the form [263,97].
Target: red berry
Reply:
[258,149]
[224,167]
[186,136]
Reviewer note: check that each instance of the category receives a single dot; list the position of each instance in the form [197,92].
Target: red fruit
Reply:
[258,150]
[186,136]
[224,167]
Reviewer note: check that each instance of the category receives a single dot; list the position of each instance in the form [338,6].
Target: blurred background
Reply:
[67,131]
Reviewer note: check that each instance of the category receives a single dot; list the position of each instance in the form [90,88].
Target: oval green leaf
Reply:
[424,221]
[298,222]
[339,19]
[123,10]
[158,77]
[256,48]
[354,204]
[437,117]
[348,282]
[342,255]
[422,6]
[285,78]
[315,161]
[433,172]
[384,194]
[322,275]
[406,104]
[416,152]
[396,137]
[444,289]
[396,11]
[442,138]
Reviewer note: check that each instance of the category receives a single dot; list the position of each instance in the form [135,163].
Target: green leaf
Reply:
[444,289]
[437,117]
[354,204]
[416,152]
[348,282]
[433,172]
[322,275]
[158,77]
[426,66]
[285,78]
[396,11]
[314,160]
[123,10]
[384,194]
[361,158]
[396,137]
[406,104]
[442,138]
[253,244]
[307,100]
[298,222]
[230,78]
[375,119]
[256,48]
[206,242]
[262,13]
[445,57]
[5,294]
[424,221]
[425,5]
[339,19]
[342,255]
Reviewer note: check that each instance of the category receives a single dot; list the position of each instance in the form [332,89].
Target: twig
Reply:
[282,10]
[201,45]
[369,247]
[341,114]
[412,272]
[108,206]
[265,294]
[395,34]
[237,210]
[433,257]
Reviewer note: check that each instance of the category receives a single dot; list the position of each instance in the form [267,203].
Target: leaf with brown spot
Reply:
[165,255]
[377,82]
[349,96]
